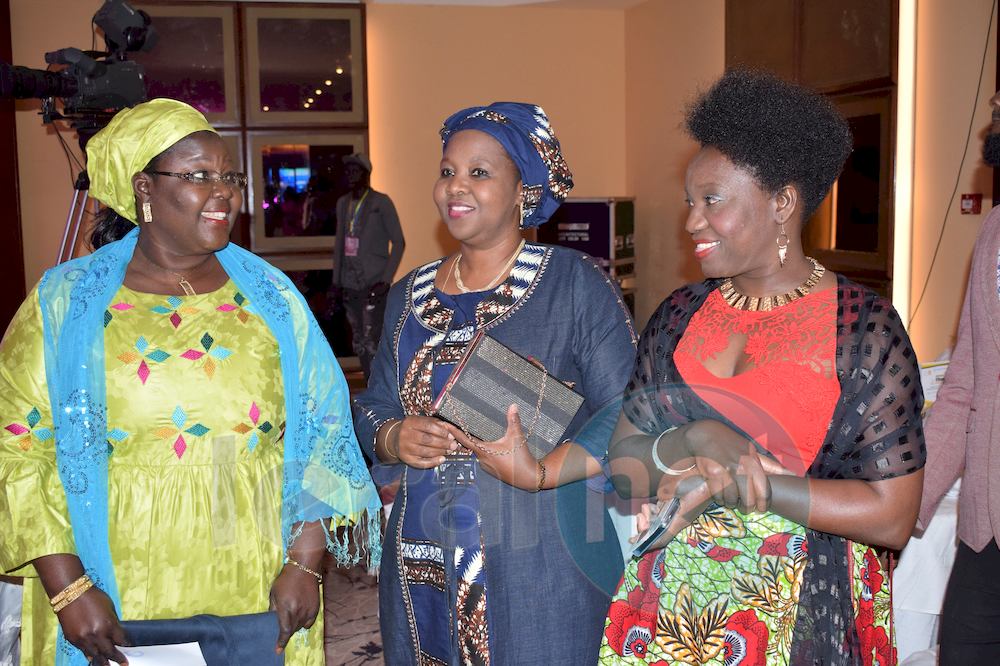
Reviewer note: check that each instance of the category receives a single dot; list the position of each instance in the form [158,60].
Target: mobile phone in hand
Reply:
[657,527]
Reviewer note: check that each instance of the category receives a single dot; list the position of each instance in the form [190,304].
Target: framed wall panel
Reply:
[262,73]
[862,34]
[847,50]
[296,179]
[851,232]
[305,65]
[195,58]
[234,141]
[746,25]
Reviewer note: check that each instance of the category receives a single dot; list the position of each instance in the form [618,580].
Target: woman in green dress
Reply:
[178,437]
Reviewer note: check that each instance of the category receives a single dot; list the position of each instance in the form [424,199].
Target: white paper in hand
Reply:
[181,654]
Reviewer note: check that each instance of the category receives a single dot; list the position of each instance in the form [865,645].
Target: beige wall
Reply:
[663,72]
[424,63]
[46,186]
[950,41]
[428,62]
[615,83]
[674,48]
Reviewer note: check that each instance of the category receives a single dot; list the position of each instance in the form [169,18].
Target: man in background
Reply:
[963,440]
[366,255]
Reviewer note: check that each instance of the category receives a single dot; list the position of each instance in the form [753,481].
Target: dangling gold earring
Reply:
[147,212]
[782,241]
[520,212]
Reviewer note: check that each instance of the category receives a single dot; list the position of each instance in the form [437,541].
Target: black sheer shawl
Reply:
[875,434]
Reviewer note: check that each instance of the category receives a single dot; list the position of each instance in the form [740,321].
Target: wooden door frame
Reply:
[10,223]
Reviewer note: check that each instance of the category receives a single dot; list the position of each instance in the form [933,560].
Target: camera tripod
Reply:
[74,220]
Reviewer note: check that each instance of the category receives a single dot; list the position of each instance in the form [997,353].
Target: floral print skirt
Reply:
[726,592]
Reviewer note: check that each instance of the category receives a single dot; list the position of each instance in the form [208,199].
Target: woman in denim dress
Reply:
[492,557]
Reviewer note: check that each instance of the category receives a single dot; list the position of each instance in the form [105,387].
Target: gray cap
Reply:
[360,159]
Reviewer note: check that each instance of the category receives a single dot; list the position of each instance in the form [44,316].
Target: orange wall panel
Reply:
[46,185]
[425,63]
[674,49]
[950,49]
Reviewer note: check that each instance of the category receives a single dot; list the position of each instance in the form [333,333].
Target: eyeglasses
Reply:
[232,178]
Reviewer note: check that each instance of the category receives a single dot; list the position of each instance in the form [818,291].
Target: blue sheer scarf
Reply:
[324,474]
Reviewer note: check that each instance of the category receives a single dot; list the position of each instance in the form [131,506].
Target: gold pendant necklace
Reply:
[185,285]
[767,303]
[182,280]
[458,271]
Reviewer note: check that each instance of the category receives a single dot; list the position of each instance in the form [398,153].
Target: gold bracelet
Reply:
[70,589]
[289,560]
[73,595]
[541,476]
[385,441]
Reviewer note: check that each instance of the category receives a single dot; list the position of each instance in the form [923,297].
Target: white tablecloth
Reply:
[920,579]
[10,623]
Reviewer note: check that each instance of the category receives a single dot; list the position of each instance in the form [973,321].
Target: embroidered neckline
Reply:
[429,310]
[229,284]
[431,313]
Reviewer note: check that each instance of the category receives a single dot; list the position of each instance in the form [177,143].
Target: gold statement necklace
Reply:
[182,280]
[765,303]
[503,271]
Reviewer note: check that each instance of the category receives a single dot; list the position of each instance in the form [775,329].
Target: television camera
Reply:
[92,85]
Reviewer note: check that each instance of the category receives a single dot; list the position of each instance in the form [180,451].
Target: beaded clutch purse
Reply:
[490,378]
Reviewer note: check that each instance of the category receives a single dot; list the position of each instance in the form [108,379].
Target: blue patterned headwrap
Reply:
[525,133]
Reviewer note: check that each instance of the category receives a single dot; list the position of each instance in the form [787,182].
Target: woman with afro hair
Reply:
[780,402]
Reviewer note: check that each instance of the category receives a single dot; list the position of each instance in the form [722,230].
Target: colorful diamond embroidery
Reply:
[179,419]
[26,432]
[142,354]
[115,435]
[254,425]
[175,308]
[209,358]
[120,307]
[240,306]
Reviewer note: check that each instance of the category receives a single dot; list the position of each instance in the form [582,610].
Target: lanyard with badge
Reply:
[351,242]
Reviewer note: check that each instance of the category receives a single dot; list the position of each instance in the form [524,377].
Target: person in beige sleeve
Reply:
[963,439]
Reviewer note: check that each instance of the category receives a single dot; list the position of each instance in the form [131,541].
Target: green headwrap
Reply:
[133,138]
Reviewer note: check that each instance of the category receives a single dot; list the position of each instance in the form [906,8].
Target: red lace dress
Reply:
[786,395]
[726,590]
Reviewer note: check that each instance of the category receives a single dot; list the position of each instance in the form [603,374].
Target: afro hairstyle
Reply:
[782,133]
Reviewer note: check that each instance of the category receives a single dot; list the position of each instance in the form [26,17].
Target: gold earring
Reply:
[147,212]
[520,212]
[782,241]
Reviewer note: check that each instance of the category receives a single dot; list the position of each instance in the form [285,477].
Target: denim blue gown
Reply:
[475,571]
